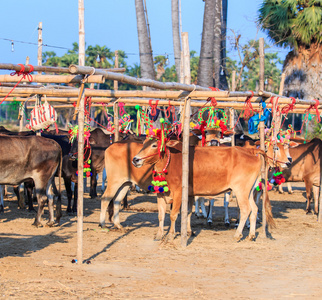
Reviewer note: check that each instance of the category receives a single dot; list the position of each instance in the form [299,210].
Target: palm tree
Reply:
[99,57]
[297,24]
[146,58]
[160,62]
[223,72]
[217,44]
[176,35]
[206,51]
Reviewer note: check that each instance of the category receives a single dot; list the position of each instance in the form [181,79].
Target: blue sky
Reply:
[111,23]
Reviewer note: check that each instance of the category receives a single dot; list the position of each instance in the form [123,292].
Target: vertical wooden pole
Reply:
[80,164]
[231,110]
[262,130]
[39,61]
[116,83]
[39,55]
[81,33]
[80,181]
[181,79]
[185,146]
[116,122]
[23,107]
[281,90]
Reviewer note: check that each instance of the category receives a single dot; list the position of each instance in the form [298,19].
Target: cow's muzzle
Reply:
[137,162]
[72,156]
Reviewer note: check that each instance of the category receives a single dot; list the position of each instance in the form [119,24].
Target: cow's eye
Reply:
[154,146]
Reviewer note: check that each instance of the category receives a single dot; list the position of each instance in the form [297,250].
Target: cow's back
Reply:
[23,157]
[118,162]
[305,162]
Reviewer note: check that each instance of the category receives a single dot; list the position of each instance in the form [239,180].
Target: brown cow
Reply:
[306,167]
[213,170]
[121,174]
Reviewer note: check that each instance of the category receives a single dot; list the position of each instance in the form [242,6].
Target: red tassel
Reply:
[57,130]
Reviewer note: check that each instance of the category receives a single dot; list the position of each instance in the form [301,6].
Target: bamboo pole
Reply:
[262,131]
[185,145]
[281,90]
[54,78]
[46,69]
[116,122]
[116,83]
[136,81]
[39,54]
[80,108]
[232,111]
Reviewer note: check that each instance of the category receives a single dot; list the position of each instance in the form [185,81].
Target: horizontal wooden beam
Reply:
[47,69]
[54,79]
[74,69]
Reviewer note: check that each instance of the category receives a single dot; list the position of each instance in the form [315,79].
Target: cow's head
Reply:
[149,154]
[73,139]
[278,154]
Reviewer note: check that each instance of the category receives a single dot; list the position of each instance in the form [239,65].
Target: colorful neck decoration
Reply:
[276,180]
[159,183]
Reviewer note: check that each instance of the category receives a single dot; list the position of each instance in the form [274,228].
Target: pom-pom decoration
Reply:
[159,183]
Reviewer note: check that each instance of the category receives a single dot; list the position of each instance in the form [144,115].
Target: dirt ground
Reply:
[37,262]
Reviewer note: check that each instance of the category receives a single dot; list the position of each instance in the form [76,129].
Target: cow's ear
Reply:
[172,143]
[92,141]
[293,144]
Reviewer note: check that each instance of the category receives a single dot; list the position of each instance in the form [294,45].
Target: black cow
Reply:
[36,158]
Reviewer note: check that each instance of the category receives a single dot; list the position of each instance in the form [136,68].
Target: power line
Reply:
[36,44]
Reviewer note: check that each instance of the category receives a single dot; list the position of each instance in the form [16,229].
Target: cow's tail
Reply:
[268,213]
[58,204]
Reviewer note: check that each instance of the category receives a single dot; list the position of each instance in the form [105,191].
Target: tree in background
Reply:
[145,48]
[297,24]
[176,35]
[205,70]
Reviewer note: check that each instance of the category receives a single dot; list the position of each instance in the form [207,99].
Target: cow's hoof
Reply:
[191,233]
[308,212]
[37,224]
[251,237]
[50,224]
[209,223]
[238,236]
[158,237]
[291,192]
[227,224]
[1,209]
[102,225]
[280,192]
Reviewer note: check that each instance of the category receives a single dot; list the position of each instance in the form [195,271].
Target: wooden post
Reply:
[81,33]
[80,181]
[116,122]
[80,164]
[23,107]
[39,61]
[39,55]
[232,110]
[116,83]
[282,84]
[262,130]
[185,146]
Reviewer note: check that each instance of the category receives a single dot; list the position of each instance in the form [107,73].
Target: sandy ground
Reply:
[37,262]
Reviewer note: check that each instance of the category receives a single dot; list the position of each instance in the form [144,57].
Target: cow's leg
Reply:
[75,198]
[226,204]
[289,188]
[252,217]
[190,204]
[19,191]
[174,214]
[58,201]
[200,203]
[1,198]
[162,206]
[316,191]
[93,186]
[50,197]
[308,188]
[209,216]
[41,197]
[244,210]
[280,189]
[117,204]
[29,187]
[68,187]
[103,180]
